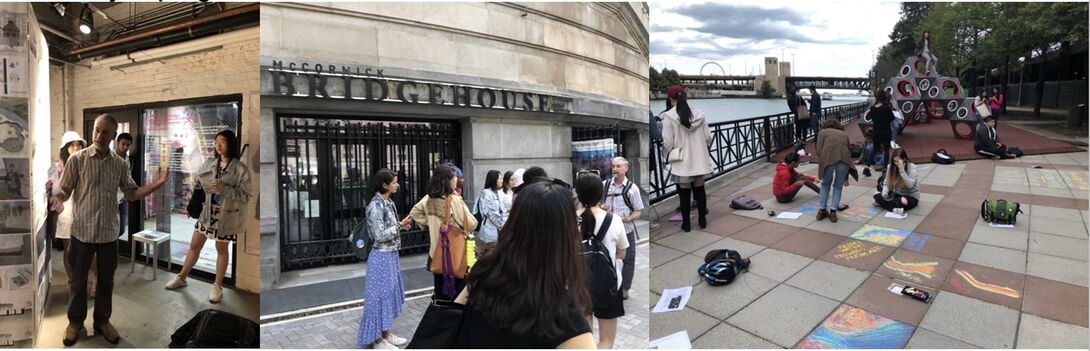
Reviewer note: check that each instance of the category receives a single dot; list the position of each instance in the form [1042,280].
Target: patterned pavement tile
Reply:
[808,243]
[765,233]
[987,284]
[854,328]
[916,268]
[874,296]
[861,255]
[995,257]
[777,265]
[934,245]
[784,315]
[723,301]
[829,280]
[972,321]
[1056,300]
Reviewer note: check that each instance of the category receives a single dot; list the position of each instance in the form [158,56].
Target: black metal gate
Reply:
[325,167]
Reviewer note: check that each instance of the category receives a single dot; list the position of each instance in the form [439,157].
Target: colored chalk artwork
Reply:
[854,250]
[853,328]
[881,235]
[915,242]
[992,288]
[808,208]
[913,271]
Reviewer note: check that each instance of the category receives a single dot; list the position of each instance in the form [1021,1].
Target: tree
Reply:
[656,80]
[767,91]
[670,77]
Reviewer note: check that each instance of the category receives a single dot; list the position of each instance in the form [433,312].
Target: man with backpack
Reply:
[624,201]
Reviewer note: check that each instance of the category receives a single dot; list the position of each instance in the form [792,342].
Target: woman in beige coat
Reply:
[685,129]
[429,214]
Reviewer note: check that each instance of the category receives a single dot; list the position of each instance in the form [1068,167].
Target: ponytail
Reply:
[669,105]
[683,111]
[586,221]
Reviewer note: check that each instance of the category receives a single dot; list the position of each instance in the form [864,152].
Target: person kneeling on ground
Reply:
[787,182]
[899,189]
[987,142]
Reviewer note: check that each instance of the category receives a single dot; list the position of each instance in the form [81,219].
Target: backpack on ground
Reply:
[216,329]
[855,149]
[602,274]
[744,202]
[942,157]
[722,266]
[1000,211]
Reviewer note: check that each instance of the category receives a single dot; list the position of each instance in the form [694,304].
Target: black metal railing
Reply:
[739,143]
[325,167]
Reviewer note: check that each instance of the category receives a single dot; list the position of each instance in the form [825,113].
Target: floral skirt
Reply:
[383,295]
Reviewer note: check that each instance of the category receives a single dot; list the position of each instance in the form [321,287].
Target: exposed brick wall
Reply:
[230,70]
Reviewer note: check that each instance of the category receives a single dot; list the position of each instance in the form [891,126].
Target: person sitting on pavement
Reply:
[899,188]
[787,182]
[987,141]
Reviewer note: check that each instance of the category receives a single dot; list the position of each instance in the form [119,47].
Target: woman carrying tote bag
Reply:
[686,134]
[447,218]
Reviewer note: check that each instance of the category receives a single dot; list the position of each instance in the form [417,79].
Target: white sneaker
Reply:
[215,295]
[175,283]
[396,340]
[382,344]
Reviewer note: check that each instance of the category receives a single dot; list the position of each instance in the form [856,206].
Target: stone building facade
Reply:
[511,84]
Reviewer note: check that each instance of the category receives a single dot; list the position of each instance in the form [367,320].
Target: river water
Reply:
[721,110]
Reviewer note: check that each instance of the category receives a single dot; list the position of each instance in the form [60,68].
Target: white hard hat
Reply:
[69,137]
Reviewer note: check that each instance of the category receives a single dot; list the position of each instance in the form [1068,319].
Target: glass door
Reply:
[180,139]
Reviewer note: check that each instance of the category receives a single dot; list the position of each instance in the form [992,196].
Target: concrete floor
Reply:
[144,313]
[819,284]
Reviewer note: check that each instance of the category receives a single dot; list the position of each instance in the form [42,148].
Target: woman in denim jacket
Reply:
[383,290]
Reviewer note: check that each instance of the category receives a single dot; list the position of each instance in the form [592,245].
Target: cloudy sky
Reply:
[826,38]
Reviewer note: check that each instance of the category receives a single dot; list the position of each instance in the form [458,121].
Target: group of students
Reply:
[529,285]
[898,187]
[89,218]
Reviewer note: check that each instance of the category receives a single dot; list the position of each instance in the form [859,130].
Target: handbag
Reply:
[982,109]
[675,155]
[440,326]
[804,115]
[450,256]
[194,208]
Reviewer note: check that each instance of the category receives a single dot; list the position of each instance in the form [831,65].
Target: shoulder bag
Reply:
[440,326]
[450,256]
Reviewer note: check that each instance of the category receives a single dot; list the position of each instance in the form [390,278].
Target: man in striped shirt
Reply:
[92,177]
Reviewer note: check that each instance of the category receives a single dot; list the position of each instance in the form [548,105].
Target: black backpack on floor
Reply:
[721,266]
[942,157]
[216,329]
[602,274]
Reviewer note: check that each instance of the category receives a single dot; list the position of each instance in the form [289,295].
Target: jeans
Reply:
[122,216]
[79,257]
[835,176]
[895,202]
[815,123]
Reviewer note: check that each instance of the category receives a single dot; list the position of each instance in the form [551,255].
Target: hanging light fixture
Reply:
[58,8]
[85,20]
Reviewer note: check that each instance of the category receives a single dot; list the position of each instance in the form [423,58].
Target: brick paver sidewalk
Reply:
[820,284]
[339,329]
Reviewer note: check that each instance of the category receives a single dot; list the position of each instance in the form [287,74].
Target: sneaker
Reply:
[108,332]
[71,334]
[215,295]
[175,283]
[382,344]
[396,340]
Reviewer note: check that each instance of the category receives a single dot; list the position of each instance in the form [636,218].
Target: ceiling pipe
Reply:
[173,38]
[90,51]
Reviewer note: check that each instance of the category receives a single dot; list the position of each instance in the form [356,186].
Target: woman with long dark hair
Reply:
[589,191]
[881,113]
[383,289]
[899,189]
[995,103]
[227,192]
[686,134]
[531,291]
[439,212]
[923,49]
[492,213]
[507,192]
